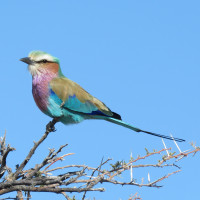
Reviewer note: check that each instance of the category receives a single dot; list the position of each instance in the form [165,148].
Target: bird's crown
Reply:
[41,56]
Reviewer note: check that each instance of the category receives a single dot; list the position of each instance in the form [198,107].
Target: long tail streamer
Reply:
[119,122]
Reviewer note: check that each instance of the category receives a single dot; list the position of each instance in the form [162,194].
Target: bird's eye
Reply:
[44,61]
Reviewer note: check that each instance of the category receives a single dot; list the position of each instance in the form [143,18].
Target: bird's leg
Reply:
[50,126]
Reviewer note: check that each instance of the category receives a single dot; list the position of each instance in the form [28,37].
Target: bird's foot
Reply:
[50,126]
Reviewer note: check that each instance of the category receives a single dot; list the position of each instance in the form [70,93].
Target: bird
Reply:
[63,99]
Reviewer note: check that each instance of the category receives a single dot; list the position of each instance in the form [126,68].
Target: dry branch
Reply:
[79,178]
[4,151]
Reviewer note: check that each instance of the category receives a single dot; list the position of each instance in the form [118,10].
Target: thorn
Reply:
[176,144]
[186,151]
[149,177]
[165,147]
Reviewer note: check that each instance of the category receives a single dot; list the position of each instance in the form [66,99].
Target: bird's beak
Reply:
[27,60]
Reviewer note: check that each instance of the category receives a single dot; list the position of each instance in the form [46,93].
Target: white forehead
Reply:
[42,57]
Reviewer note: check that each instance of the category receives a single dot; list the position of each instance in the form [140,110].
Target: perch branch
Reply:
[49,128]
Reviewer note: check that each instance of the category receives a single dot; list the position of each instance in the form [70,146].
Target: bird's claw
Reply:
[50,127]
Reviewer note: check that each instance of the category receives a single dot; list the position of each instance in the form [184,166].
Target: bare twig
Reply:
[49,128]
[4,151]
[135,197]
[60,158]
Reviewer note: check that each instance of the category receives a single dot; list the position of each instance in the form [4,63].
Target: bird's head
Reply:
[41,62]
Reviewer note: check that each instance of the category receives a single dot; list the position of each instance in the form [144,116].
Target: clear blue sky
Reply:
[141,58]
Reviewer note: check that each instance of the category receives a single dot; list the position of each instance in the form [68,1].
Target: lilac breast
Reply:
[40,90]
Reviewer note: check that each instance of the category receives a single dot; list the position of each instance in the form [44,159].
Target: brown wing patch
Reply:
[63,87]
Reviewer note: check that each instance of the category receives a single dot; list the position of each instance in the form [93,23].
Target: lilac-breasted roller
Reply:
[65,100]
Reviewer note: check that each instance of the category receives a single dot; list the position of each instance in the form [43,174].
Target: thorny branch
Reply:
[49,128]
[78,178]
[4,151]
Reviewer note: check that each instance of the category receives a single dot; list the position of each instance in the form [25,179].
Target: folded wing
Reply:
[73,97]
